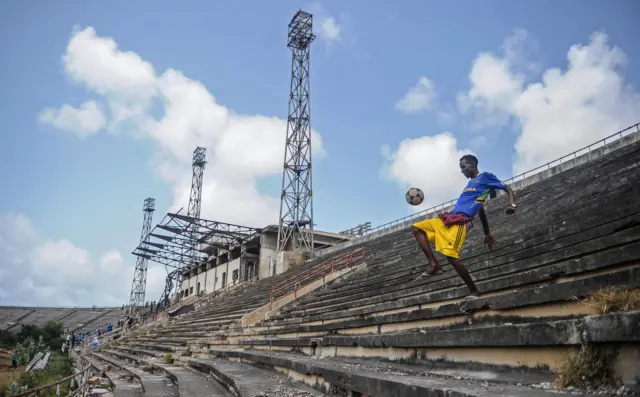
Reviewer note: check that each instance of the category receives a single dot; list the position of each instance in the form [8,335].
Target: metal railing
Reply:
[309,276]
[585,150]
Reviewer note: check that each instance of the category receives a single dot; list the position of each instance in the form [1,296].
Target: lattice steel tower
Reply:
[139,285]
[295,229]
[195,199]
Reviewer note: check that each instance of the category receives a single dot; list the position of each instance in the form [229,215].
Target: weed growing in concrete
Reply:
[168,358]
[584,367]
[612,300]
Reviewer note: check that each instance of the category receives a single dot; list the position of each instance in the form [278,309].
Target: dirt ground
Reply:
[7,375]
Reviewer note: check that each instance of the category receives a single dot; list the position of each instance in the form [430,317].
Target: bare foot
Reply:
[472,296]
[434,268]
[431,271]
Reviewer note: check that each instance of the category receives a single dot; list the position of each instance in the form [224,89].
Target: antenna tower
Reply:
[295,229]
[139,285]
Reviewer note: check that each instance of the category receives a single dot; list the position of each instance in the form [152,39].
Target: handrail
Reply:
[39,389]
[523,175]
[333,264]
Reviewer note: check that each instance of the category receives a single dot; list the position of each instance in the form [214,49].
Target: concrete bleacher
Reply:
[78,319]
[385,331]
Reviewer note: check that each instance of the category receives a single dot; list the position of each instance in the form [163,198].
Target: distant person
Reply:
[14,360]
[449,230]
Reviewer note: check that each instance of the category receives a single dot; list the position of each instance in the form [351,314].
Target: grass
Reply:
[584,367]
[612,300]
[57,368]
[168,358]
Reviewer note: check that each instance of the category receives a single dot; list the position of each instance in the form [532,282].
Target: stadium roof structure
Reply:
[177,240]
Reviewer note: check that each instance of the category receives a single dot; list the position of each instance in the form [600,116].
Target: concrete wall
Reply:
[527,179]
[211,280]
[268,245]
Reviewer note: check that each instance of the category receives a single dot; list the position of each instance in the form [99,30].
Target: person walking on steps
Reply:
[448,230]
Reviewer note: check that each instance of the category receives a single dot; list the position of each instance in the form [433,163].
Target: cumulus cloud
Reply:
[39,271]
[563,111]
[240,148]
[329,29]
[428,162]
[82,122]
[418,98]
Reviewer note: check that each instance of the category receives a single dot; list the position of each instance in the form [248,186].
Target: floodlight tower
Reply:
[195,200]
[139,285]
[296,204]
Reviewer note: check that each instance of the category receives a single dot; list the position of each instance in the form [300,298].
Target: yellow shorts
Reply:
[448,240]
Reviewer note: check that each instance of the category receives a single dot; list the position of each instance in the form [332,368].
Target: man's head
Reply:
[469,166]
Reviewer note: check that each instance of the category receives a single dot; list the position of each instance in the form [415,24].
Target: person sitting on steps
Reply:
[449,229]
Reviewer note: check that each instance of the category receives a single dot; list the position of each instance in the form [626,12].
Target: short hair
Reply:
[470,158]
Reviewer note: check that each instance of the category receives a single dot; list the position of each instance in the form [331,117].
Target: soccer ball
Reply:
[414,196]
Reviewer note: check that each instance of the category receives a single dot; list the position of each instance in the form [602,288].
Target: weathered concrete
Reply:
[152,385]
[265,311]
[248,381]
[334,376]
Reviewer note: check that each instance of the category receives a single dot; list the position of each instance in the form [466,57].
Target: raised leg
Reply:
[423,242]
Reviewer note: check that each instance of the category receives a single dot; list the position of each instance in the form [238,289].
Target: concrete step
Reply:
[559,299]
[248,381]
[125,385]
[190,383]
[154,384]
[378,379]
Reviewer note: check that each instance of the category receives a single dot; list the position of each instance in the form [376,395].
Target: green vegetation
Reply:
[59,367]
[50,332]
[28,341]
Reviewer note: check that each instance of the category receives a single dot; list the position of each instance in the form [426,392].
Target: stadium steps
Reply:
[154,383]
[64,315]
[530,285]
[108,316]
[242,379]
[575,233]
[80,317]
[17,320]
[378,378]
[124,383]
[207,377]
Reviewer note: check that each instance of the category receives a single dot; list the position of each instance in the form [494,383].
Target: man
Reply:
[449,230]
[14,360]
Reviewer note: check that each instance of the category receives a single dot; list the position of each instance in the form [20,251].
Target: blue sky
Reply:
[89,191]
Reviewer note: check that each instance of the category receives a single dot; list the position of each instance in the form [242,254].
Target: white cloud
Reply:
[565,110]
[82,122]
[418,98]
[38,271]
[240,148]
[428,162]
[326,26]
[329,29]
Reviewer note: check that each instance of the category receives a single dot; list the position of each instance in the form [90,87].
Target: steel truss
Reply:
[295,228]
[178,243]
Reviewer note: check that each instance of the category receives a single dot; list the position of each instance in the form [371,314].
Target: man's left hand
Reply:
[510,210]
[490,241]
